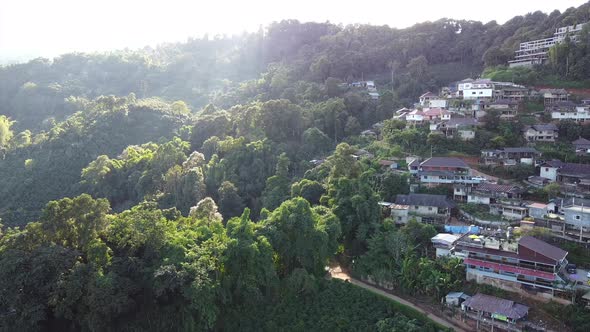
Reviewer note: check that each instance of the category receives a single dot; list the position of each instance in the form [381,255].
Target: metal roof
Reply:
[425,200]
[444,162]
[542,248]
[496,305]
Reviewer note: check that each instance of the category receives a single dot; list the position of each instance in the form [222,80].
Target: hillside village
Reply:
[486,211]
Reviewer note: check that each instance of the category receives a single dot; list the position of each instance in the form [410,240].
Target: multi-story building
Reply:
[510,156]
[578,114]
[561,106]
[536,51]
[551,96]
[491,193]
[508,109]
[432,209]
[427,115]
[482,89]
[541,133]
[514,264]
[582,146]
[464,128]
[430,99]
[566,173]
[444,170]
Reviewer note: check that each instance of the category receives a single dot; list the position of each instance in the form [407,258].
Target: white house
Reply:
[423,207]
[579,114]
[549,169]
[486,93]
[443,242]
[541,133]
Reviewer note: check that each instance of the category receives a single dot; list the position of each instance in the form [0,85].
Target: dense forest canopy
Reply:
[206,185]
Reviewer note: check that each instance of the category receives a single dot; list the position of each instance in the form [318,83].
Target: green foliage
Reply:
[399,258]
[303,237]
[5,131]
[312,191]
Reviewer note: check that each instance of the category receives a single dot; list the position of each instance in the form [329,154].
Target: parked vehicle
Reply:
[571,268]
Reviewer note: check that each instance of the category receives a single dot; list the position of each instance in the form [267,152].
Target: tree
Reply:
[353,127]
[5,131]
[249,274]
[180,107]
[311,190]
[315,142]
[277,186]
[230,202]
[75,222]
[552,190]
[418,67]
[206,209]
[332,87]
[302,237]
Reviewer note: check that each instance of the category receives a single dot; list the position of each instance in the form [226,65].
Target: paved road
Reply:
[338,273]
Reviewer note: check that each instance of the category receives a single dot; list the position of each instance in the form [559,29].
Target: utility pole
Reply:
[581,219]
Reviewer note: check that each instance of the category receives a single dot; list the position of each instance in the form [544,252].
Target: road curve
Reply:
[341,275]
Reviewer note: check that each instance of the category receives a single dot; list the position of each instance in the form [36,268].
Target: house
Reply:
[577,219]
[414,166]
[538,210]
[432,209]
[509,210]
[464,128]
[507,108]
[455,299]
[465,84]
[361,153]
[389,164]
[551,96]
[491,193]
[516,93]
[510,156]
[581,146]
[513,265]
[430,99]
[427,115]
[478,89]
[445,170]
[490,308]
[560,106]
[369,85]
[578,114]
[443,243]
[541,133]
[567,173]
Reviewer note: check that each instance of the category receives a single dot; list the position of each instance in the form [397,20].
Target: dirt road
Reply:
[339,274]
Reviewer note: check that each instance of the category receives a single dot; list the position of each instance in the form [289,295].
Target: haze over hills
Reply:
[153,23]
[207,185]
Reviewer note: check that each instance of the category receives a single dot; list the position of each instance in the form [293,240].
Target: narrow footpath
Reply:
[339,274]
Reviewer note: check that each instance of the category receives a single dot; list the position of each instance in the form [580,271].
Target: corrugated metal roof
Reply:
[543,248]
[496,305]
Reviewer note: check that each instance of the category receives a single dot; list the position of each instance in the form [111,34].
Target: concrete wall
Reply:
[471,198]
[477,93]
[549,173]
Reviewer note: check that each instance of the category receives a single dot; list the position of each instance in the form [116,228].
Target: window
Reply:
[546,169]
[399,218]
[429,208]
[416,207]
[473,92]
[578,217]
[481,92]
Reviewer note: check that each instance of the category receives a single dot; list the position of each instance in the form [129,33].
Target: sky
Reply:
[31,28]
